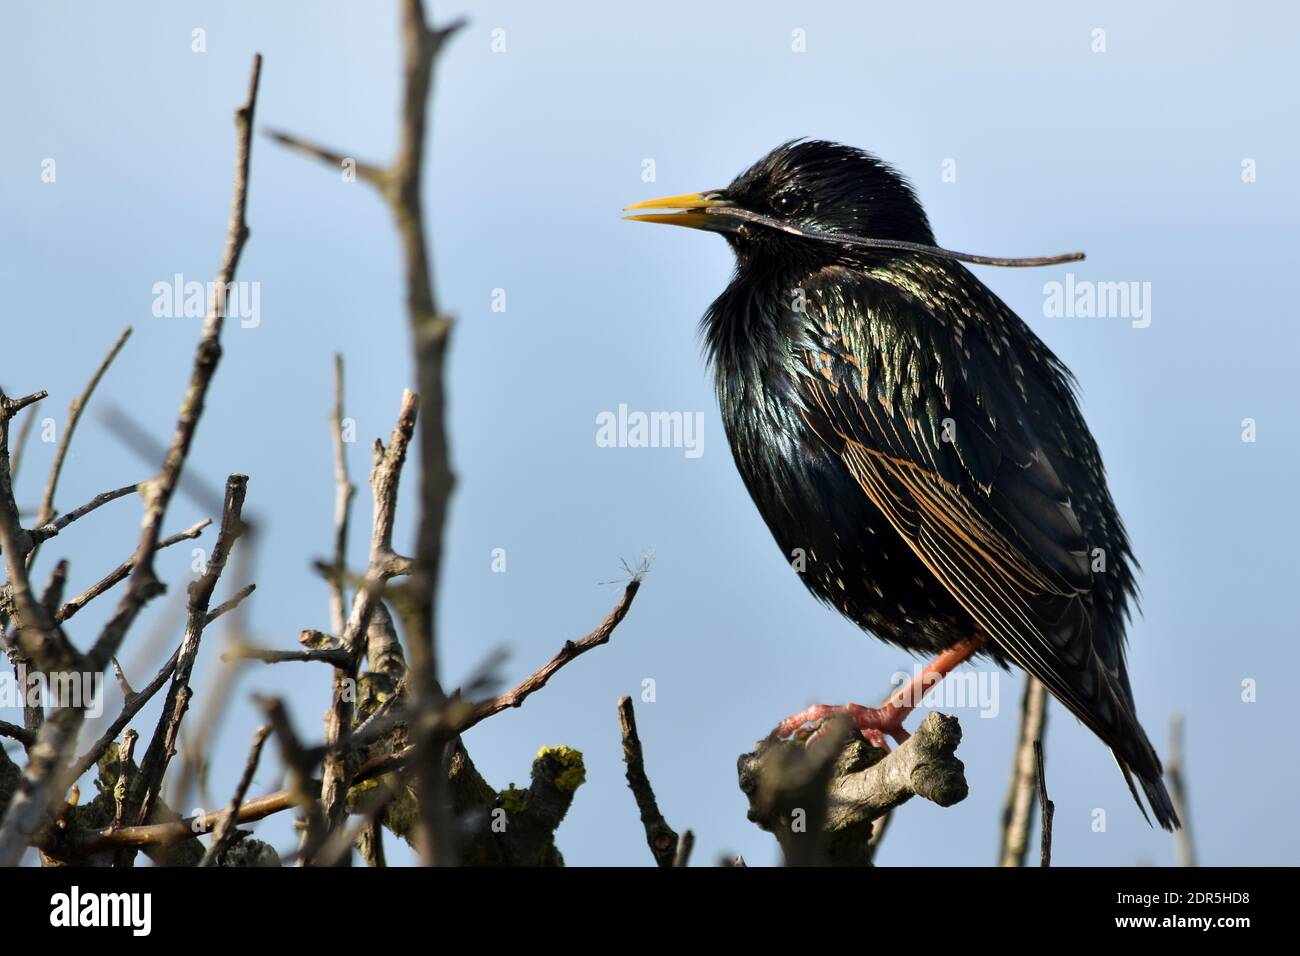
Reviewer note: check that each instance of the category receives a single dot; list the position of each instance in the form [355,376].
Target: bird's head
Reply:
[810,200]
[798,199]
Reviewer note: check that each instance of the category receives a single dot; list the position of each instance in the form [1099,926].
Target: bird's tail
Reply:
[1133,751]
[1153,785]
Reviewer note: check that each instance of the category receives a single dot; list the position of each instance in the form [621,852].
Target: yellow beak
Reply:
[694,206]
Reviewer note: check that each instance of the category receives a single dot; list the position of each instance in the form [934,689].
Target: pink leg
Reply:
[876,722]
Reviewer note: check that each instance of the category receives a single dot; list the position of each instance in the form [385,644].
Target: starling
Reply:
[911,441]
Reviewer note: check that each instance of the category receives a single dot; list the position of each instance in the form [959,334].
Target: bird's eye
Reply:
[788,204]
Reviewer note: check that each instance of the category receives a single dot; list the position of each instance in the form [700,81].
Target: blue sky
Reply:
[1134,154]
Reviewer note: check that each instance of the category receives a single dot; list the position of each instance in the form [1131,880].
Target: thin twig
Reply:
[1185,848]
[24,432]
[344,492]
[662,838]
[385,478]
[125,768]
[1018,809]
[302,791]
[20,734]
[1049,808]
[119,574]
[38,636]
[130,707]
[230,604]
[224,836]
[143,583]
[684,848]
[44,778]
[46,511]
[325,655]
[446,723]
[163,743]
[568,653]
[47,530]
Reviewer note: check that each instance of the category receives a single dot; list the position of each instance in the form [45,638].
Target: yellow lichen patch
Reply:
[574,774]
[513,800]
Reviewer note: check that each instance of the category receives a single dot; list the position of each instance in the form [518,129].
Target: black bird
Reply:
[913,443]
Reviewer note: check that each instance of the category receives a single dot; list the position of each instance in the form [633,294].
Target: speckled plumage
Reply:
[904,431]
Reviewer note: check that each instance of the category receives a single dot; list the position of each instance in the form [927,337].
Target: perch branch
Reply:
[820,800]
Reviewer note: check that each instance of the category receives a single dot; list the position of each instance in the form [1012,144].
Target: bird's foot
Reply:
[874,723]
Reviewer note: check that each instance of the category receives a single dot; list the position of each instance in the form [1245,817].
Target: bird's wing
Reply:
[939,438]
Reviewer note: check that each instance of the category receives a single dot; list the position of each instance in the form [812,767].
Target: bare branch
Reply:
[400,184]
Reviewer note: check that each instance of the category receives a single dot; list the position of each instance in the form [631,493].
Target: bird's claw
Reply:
[874,723]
